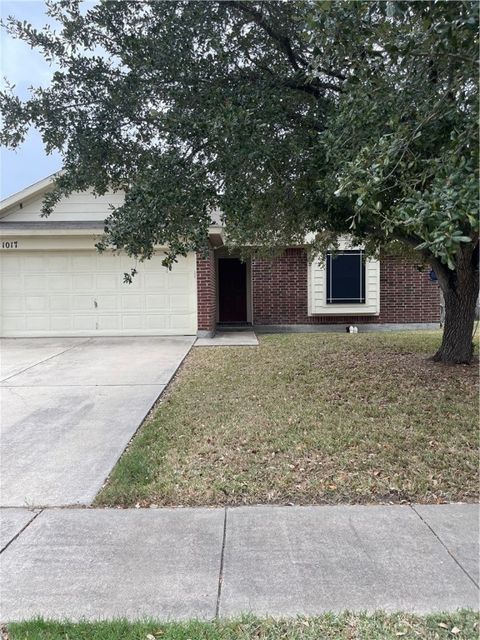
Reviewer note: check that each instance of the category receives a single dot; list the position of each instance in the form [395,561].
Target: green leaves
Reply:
[403,144]
[291,118]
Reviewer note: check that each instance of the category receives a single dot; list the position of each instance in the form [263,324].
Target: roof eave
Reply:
[42,186]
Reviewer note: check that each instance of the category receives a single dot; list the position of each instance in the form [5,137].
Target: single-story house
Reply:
[54,282]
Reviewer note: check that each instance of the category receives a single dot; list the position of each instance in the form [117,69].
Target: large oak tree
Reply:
[290,117]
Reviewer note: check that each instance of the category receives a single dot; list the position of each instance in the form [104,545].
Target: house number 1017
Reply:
[12,244]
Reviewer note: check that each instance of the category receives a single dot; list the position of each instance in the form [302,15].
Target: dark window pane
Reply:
[345,277]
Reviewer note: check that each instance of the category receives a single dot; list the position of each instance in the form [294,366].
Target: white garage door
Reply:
[82,293]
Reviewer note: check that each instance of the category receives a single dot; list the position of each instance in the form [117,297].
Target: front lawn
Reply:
[379,626]
[308,419]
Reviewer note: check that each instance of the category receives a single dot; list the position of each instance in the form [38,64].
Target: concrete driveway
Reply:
[69,407]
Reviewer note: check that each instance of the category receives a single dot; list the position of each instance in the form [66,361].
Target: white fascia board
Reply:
[42,186]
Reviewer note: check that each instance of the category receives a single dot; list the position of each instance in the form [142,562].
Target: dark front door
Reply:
[232,290]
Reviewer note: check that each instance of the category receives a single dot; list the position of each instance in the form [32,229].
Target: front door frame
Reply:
[224,253]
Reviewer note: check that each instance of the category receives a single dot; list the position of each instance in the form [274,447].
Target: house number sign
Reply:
[9,244]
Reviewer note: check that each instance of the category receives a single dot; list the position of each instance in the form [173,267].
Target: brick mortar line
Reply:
[444,546]
[222,562]
[21,531]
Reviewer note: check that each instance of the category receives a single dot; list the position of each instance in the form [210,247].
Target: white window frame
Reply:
[330,261]
[317,288]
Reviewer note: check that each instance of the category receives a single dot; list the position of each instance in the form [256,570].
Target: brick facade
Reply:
[407,294]
[206,300]
[279,293]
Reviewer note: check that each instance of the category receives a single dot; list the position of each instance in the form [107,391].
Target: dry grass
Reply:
[308,419]
[346,626]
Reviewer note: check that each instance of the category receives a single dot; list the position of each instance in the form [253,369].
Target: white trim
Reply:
[330,262]
[362,293]
[32,191]
[317,289]
[9,232]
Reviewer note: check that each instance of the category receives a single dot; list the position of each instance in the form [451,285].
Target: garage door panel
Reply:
[157,322]
[182,264]
[83,262]
[154,281]
[156,302]
[14,323]
[179,303]
[133,302]
[84,323]
[34,263]
[61,323]
[59,263]
[60,303]
[9,268]
[83,303]
[11,283]
[13,303]
[111,265]
[34,283]
[176,281]
[59,282]
[83,282]
[36,303]
[179,320]
[133,323]
[107,302]
[37,322]
[83,293]
[108,323]
[106,281]
[137,284]
[150,265]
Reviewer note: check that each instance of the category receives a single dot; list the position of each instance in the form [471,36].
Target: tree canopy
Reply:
[290,117]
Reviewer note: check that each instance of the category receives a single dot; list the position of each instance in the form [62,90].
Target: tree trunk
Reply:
[460,292]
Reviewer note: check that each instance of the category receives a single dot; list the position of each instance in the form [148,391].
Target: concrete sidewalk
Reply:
[267,560]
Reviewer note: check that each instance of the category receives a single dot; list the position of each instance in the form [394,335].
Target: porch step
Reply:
[234,326]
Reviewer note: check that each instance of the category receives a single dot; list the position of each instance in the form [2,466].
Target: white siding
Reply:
[317,291]
[80,206]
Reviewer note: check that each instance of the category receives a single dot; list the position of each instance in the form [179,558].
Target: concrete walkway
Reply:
[229,339]
[202,563]
[69,407]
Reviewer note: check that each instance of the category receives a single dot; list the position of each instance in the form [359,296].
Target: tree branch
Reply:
[259,18]
[314,87]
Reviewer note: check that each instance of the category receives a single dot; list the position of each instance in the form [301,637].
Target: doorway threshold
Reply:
[234,326]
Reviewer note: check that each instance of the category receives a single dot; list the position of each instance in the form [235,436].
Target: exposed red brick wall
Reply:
[407,294]
[279,288]
[206,302]
[279,292]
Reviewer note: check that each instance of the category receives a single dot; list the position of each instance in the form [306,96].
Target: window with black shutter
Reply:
[346,277]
